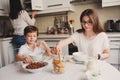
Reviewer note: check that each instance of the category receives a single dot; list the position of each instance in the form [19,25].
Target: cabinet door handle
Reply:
[114,49]
[114,40]
[2,10]
[51,40]
[54,5]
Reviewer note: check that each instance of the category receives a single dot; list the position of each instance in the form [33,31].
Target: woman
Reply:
[92,40]
[19,19]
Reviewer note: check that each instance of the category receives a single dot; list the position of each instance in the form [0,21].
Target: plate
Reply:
[34,67]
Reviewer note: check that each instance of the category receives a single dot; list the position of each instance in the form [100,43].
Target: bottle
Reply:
[49,30]
[71,30]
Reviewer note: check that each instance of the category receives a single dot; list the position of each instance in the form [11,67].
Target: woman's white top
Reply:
[21,22]
[26,50]
[95,45]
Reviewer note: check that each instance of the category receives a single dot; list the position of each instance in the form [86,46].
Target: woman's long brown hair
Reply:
[97,27]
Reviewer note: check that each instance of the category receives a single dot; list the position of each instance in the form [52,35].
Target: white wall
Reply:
[104,14]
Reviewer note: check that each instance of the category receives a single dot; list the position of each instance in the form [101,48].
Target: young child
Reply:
[30,48]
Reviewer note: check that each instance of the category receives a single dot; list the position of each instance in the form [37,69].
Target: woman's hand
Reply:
[57,50]
[33,14]
[27,59]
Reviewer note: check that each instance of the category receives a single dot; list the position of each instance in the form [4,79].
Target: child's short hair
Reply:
[30,29]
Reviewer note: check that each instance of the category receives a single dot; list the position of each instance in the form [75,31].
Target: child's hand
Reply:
[40,43]
[27,59]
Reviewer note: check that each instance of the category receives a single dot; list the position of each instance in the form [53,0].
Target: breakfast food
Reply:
[58,66]
[35,65]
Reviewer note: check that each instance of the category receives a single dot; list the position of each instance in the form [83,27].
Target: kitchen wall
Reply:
[104,14]
[43,22]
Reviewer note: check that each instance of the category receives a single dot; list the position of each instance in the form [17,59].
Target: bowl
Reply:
[34,66]
[79,56]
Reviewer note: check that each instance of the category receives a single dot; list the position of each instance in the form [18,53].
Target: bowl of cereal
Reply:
[34,66]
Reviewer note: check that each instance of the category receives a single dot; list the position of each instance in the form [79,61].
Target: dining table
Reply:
[72,71]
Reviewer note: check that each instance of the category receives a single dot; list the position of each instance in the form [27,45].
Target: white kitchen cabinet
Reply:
[7,51]
[51,6]
[114,58]
[37,4]
[107,3]
[114,53]
[0,56]
[33,4]
[52,40]
[4,7]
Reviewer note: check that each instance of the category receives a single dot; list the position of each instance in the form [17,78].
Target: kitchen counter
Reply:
[53,36]
[63,36]
[44,36]
[8,38]
[110,34]
[113,34]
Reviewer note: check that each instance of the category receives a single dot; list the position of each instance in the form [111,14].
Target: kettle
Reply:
[117,24]
[109,26]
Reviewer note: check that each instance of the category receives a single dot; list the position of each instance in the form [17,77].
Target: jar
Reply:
[58,64]
[93,66]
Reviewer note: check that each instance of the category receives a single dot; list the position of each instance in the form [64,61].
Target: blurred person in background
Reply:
[19,19]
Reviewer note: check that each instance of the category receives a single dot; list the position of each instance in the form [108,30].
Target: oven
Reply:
[6,29]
